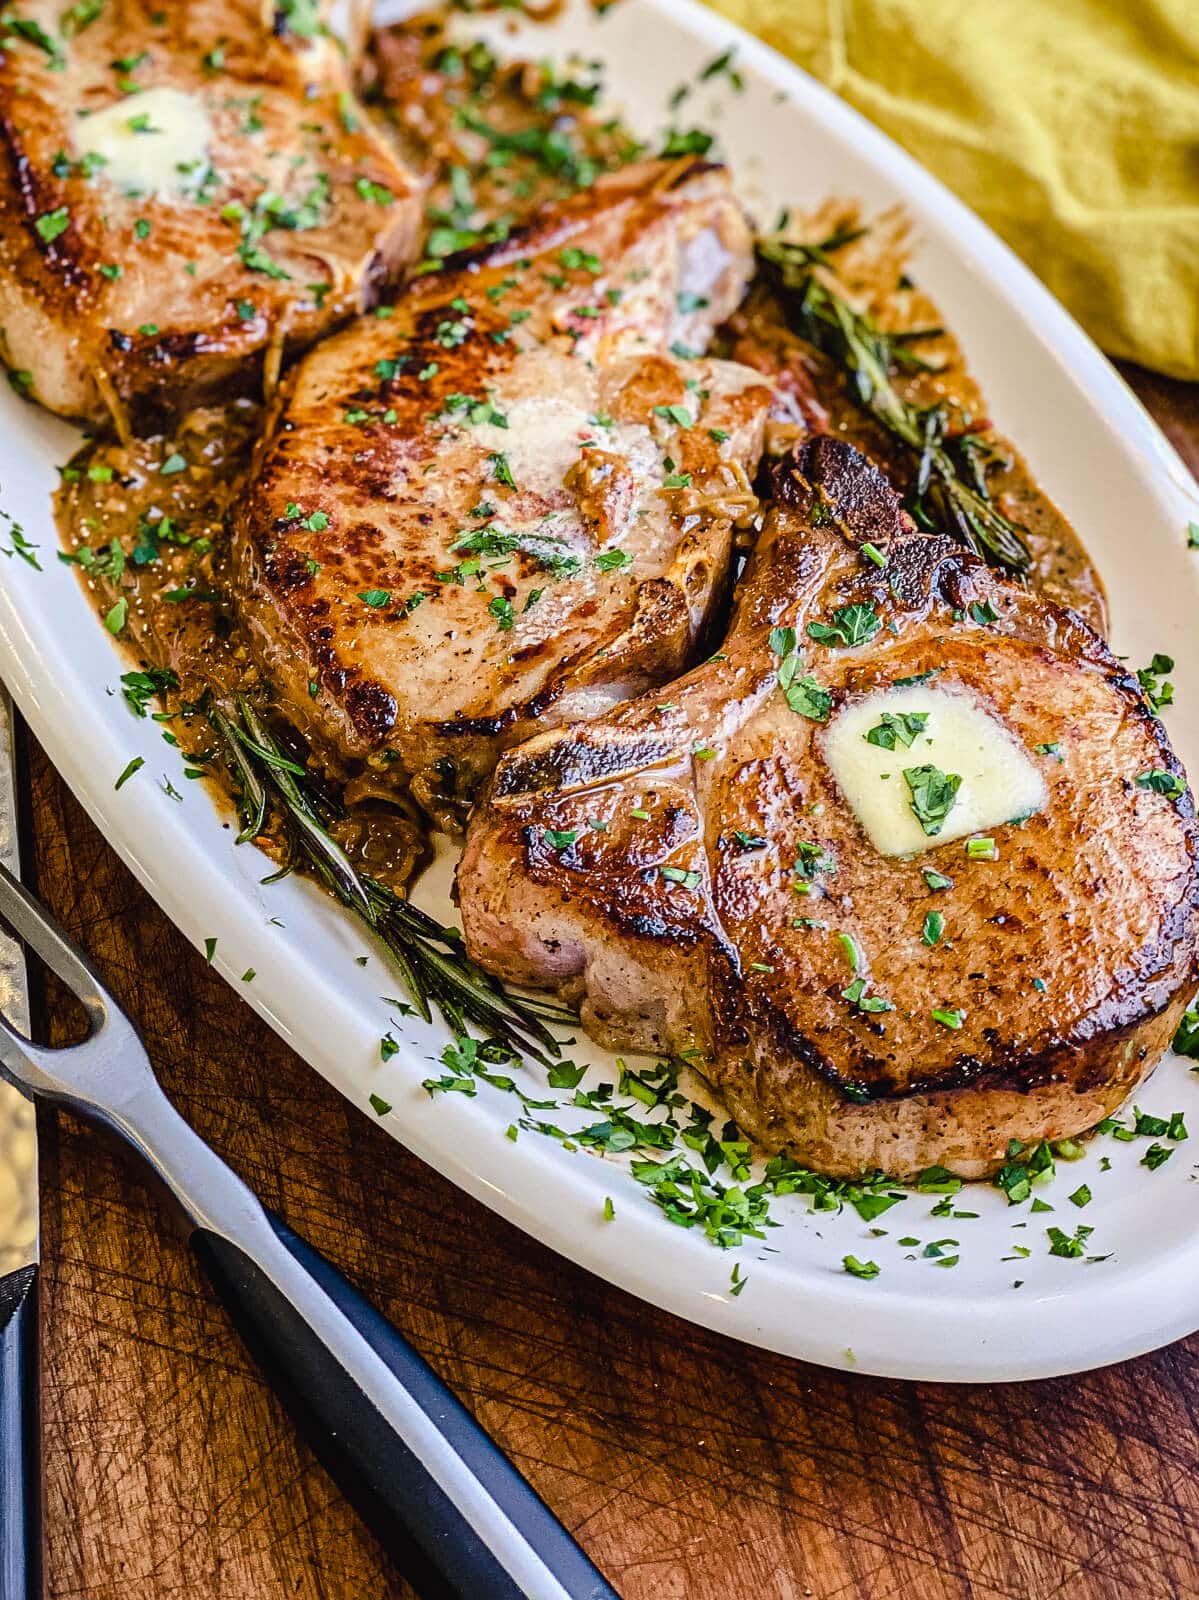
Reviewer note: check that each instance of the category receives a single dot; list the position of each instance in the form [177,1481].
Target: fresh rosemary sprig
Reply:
[950,493]
[436,971]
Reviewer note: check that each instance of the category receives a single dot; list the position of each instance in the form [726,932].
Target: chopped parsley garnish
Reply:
[948,1018]
[695,142]
[501,610]
[501,470]
[723,64]
[1171,784]
[679,415]
[811,860]
[575,260]
[543,548]
[860,1269]
[803,694]
[375,598]
[934,929]
[852,625]
[613,560]
[1070,1246]
[749,841]
[868,1003]
[451,333]
[982,850]
[139,688]
[52,223]
[135,765]
[1158,692]
[301,17]
[936,881]
[933,793]
[938,1180]
[560,838]
[687,880]
[1186,1040]
[377,193]
[469,409]
[33,33]
[897,727]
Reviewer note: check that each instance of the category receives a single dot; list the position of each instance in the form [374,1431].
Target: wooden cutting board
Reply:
[690,1467]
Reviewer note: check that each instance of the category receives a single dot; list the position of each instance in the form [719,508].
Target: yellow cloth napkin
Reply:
[1072,126]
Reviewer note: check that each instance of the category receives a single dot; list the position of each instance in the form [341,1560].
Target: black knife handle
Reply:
[415,1517]
[20,1473]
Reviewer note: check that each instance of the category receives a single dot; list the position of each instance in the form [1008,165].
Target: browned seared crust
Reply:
[187,315]
[543,398]
[1071,956]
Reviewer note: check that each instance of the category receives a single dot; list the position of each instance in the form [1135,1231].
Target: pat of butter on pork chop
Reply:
[512,502]
[703,869]
[184,193]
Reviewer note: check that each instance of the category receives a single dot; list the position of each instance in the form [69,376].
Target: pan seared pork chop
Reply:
[181,189]
[929,888]
[512,501]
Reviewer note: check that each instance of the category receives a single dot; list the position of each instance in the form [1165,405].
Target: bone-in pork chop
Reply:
[182,189]
[909,864]
[511,502]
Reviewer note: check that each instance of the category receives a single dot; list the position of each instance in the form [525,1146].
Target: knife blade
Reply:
[20,1477]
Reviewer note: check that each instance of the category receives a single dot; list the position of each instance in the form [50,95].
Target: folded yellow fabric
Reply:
[1072,126]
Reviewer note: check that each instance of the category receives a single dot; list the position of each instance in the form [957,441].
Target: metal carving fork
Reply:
[439,1494]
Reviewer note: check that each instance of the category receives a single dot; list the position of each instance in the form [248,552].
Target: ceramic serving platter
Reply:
[1008,1308]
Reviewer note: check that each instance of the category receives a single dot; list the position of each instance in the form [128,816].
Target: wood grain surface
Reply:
[691,1468]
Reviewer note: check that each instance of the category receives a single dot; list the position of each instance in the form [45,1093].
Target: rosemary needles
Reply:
[436,971]
[950,493]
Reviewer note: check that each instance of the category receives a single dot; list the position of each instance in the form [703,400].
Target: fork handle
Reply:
[418,1519]
[20,1478]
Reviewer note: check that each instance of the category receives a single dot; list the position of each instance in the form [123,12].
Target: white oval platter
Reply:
[1096,452]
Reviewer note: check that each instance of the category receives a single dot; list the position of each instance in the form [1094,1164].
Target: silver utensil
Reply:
[437,1491]
[20,1476]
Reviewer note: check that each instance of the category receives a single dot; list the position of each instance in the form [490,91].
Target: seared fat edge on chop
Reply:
[181,189]
[512,502]
[695,874]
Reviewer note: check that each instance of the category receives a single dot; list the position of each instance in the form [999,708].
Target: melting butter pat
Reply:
[153,143]
[999,781]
